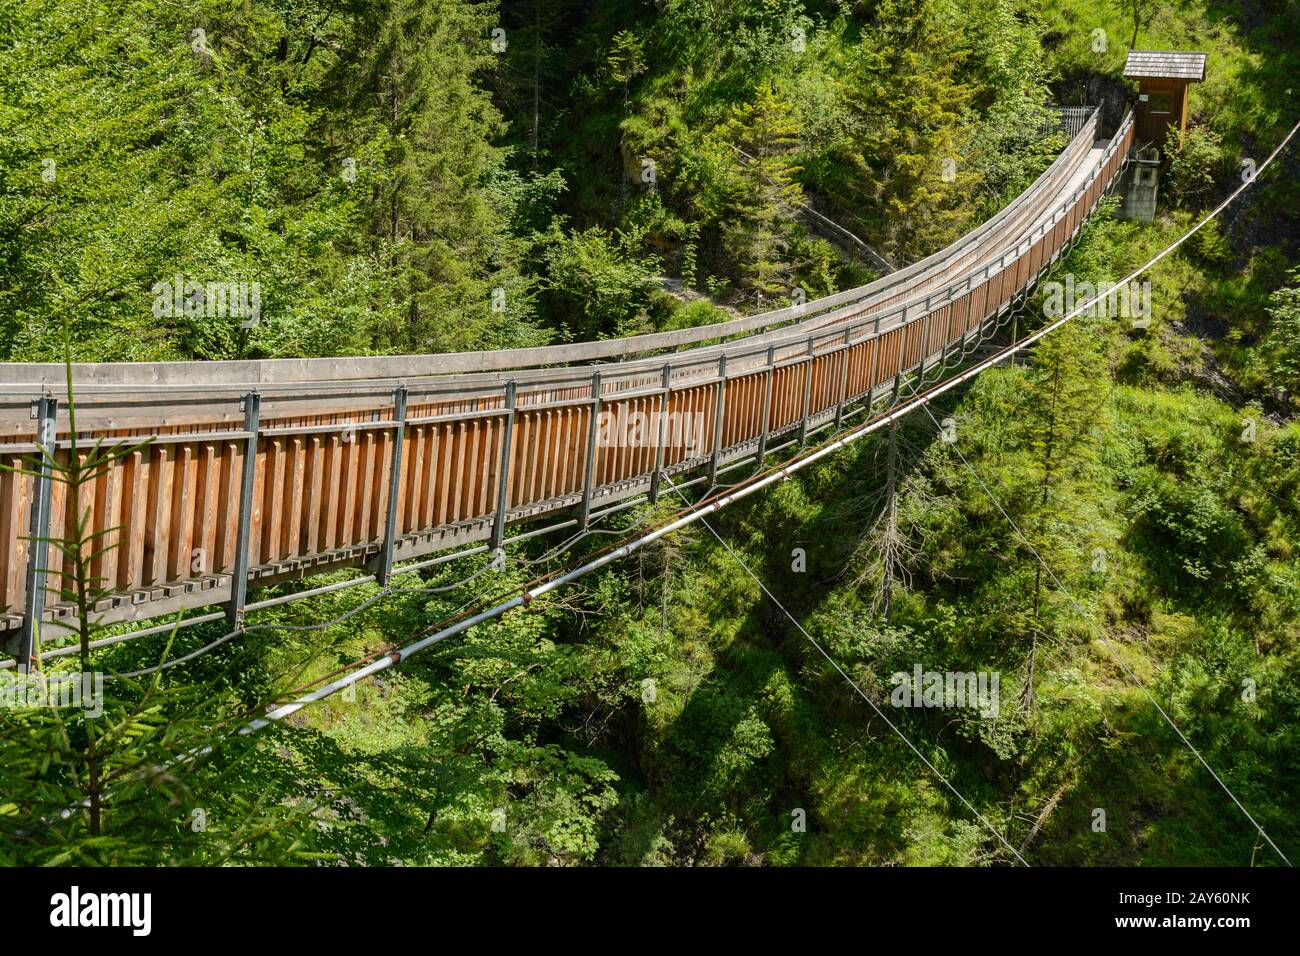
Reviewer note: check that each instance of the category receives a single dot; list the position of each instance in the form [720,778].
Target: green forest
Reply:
[1110,522]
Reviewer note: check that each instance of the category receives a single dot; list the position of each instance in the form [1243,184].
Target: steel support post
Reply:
[38,547]
[807,393]
[664,398]
[719,407]
[252,404]
[588,481]
[767,404]
[384,560]
[503,468]
[875,366]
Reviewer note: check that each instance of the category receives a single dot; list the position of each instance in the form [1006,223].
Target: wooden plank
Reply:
[676,404]
[536,449]
[640,436]
[313,504]
[206,514]
[331,469]
[430,501]
[626,438]
[412,467]
[701,402]
[553,450]
[736,410]
[606,456]
[649,434]
[49,556]
[468,455]
[15,507]
[350,480]
[181,547]
[979,303]
[101,523]
[760,390]
[83,520]
[557,483]
[380,456]
[8,529]
[565,442]
[191,557]
[295,482]
[582,416]
[523,467]
[273,510]
[230,468]
[550,453]
[446,443]
[777,411]
[158,533]
[365,486]
[680,409]
[600,463]
[486,472]
[570,443]
[732,409]
[135,485]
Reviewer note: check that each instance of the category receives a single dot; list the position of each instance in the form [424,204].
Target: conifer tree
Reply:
[413,93]
[910,134]
[625,61]
[1065,396]
[763,135]
[121,769]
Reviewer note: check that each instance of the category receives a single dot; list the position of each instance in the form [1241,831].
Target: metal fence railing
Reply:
[1065,119]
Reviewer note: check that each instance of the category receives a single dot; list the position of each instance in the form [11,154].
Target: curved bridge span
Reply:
[258,472]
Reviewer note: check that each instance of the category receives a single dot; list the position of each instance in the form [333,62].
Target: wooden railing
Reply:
[261,472]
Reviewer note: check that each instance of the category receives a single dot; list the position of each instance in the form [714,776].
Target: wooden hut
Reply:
[1163,77]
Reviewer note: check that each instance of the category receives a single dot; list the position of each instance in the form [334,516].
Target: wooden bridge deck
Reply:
[376,460]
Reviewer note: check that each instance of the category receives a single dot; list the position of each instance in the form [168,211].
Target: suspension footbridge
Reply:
[254,473]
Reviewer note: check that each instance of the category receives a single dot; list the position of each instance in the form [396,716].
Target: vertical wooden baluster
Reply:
[875,363]
[295,477]
[314,500]
[768,380]
[844,382]
[205,511]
